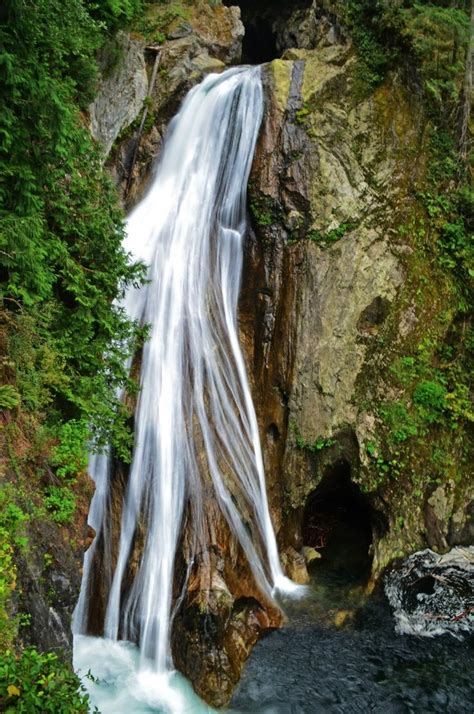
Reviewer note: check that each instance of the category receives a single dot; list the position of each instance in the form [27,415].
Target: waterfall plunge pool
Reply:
[338,653]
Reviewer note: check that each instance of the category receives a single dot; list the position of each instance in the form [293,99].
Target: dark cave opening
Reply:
[260,41]
[259,44]
[337,522]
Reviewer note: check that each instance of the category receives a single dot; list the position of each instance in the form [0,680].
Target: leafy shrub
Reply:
[70,455]
[61,503]
[34,682]
[9,397]
[12,516]
[430,398]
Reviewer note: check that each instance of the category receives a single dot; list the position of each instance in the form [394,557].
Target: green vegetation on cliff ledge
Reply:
[431,35]
[60,226]
[63,338]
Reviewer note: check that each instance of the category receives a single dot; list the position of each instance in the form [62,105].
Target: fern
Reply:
[9,397]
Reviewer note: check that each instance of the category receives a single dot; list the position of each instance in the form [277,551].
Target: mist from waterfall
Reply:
[195,424]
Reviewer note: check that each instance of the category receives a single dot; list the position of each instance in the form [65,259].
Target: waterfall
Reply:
[195,424]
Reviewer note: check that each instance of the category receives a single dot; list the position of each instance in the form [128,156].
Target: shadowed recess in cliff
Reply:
[337,522]
[260,40]
[196,431]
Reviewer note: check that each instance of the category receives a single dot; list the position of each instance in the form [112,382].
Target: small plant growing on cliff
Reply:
[333,235]
[384,468]
[61,502]
[319,444]
[302,113]
[9,397]
[70,455]
[260,212]
[430,399]
[402,425]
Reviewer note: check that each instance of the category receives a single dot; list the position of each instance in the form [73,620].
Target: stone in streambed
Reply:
[310,554]
[295,566]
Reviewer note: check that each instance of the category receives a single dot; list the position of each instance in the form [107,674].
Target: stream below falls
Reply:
[338,652]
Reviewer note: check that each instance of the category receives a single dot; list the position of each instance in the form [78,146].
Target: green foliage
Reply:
[438,37]
[8,625]
[313,447]
[61,503]
[9,397]
[439,393]
[366,23]
[432,35]
[302,113]
[62,265]
[12,536]
[401,423]
[421,426]
[384,468]
[333,235]
[12,517]
[35,682]
[114,13]
[456,241]
[161,19]
[62,275]
[70,455]
[450,213]
[430,398]
[405,369]
[262,210]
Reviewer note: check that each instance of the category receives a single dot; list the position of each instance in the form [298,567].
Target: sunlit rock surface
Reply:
[122,89]
[199,40]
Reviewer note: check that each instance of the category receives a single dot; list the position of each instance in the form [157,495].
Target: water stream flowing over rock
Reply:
[196,435]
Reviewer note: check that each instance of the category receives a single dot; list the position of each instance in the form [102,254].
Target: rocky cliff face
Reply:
[340,296]
[332,182]
[331,300]
[186,42]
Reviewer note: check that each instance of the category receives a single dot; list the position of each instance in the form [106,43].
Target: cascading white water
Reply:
[195,422]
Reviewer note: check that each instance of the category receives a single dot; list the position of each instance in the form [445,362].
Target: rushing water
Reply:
[312,665]
[195,424]
[359,665]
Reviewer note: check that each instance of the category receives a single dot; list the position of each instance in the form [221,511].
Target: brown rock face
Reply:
[329,296]
[322,268]
[198,39]
[329,300]
[221,615]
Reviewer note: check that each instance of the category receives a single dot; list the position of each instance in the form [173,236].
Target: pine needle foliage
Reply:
[62,267]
